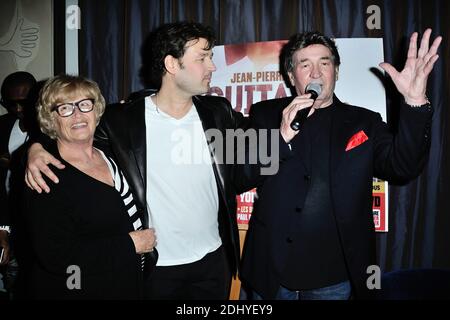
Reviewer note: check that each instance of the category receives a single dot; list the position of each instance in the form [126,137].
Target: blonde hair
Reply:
[60,89]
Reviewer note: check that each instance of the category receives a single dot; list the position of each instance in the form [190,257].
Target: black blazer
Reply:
[398,158]
[84,223]
[122,130]
[6,124]
[16,165]
[10,204]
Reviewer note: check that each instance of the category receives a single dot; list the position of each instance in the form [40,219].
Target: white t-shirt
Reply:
[182,193]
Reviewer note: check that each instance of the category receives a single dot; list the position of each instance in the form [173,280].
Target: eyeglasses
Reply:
[67,109]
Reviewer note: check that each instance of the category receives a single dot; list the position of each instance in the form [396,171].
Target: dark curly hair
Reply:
[303,40]
[169,39]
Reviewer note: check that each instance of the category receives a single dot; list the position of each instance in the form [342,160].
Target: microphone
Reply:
[314,89]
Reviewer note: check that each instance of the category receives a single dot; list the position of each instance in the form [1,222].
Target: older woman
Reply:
[86,234]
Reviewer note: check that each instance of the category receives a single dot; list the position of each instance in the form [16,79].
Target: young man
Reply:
[191,204]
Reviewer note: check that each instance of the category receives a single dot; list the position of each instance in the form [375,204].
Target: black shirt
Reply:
[316,254]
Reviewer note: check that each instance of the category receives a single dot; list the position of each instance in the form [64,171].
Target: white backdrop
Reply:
[248,73]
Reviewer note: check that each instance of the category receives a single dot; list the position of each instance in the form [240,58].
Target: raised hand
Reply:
[411,82]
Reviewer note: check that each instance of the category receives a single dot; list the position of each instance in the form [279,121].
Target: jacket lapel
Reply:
[340,132]
[137,136]
[6,124]
[209,121]
[206,115]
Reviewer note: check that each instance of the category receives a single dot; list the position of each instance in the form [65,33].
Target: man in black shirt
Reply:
[311,235]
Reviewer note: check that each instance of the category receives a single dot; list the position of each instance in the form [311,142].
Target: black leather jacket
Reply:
[122,133]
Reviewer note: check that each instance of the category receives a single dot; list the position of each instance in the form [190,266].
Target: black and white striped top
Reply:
[121,185]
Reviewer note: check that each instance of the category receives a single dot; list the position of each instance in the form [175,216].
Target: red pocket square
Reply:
[356,140]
